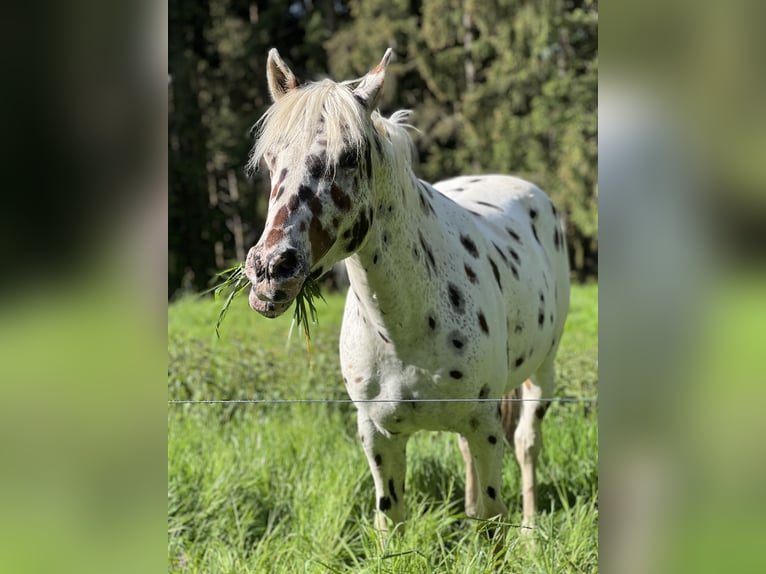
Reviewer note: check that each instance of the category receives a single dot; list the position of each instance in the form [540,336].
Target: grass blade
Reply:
[235,282]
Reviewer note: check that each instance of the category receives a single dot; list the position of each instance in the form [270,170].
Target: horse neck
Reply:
[389,274]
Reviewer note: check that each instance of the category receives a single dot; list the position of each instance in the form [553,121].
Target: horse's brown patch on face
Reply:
[273,237]
[340,198]
[528,385]
[321,240]
[275,233]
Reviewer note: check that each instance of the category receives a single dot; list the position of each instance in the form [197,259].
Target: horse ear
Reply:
[367,90]
[281,78]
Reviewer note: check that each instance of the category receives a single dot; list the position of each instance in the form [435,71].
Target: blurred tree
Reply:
[495,85]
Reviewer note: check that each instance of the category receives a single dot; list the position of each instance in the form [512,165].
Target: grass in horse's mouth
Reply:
[234,281]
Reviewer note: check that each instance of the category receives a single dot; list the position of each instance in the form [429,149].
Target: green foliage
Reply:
[267,488]
[495,86]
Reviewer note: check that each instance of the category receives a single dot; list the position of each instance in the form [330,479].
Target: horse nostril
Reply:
[284,265]
[258,268]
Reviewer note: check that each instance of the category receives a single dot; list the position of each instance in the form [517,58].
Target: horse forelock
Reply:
[294,121]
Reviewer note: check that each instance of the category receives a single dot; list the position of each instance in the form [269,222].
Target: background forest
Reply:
[494,85]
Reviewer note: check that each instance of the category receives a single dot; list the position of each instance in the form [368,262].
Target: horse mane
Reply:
[297,116]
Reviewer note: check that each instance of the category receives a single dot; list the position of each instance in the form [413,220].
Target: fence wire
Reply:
[351,402]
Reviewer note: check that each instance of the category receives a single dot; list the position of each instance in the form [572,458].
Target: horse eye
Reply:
[347,159]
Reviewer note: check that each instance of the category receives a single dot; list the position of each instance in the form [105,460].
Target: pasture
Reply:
[286,487]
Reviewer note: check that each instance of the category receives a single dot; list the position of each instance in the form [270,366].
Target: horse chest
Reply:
[406,384]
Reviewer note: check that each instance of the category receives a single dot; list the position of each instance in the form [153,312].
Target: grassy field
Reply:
[286,488]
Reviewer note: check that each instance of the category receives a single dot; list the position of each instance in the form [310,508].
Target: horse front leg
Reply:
[482,447]
[387,457]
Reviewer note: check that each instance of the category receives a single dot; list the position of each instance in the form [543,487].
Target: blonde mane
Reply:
[295,119]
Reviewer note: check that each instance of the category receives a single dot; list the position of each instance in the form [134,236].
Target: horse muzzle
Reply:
[276,281]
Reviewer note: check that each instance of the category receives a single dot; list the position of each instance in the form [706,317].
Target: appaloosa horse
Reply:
[458,290]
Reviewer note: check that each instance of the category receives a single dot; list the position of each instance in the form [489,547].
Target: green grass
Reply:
[286,488]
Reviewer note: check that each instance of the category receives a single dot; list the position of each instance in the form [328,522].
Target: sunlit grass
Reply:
[267,488]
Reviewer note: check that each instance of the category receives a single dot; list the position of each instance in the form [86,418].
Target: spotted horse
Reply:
[458,290]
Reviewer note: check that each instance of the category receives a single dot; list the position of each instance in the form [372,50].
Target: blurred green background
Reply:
[494,86]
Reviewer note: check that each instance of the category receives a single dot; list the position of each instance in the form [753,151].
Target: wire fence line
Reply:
[350,401]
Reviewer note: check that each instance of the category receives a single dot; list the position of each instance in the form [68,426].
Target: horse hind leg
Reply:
[471,492]
[528,438]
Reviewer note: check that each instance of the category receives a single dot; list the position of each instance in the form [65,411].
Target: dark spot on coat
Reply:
[425,205]
[515,271]
[378,460]
[492,439]
[427,250]
[471,275]
[392,490]
[540,317]
[320,239]
[456,298]
[458,189]
[469,245]
[514,255]
[431,322]
[513,234]
[382,336]
[305,193]
[348,159]
[484,392]
[375,259]
[491,492]
[316,166]
[496,273]
[518,328]
[358,232]
[456,374]
[384,504]
[473,422]
[534,232]
[475,180]
[518,362]
[340,198]
[557,239]
[368,160]
[457,343]
[485,204]
[500,253]
[533,213]
[293,202]
[315,205]
[483,323]
[282,176]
